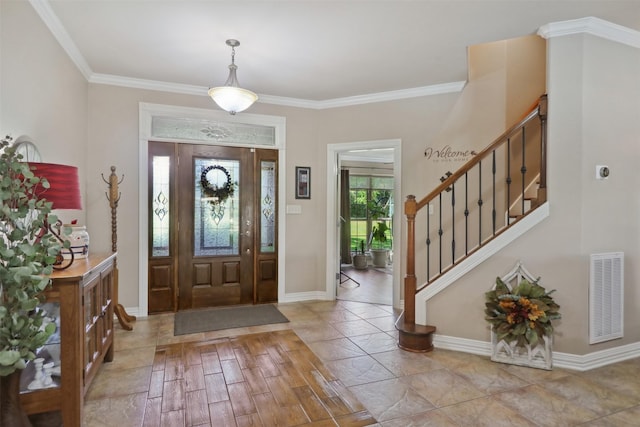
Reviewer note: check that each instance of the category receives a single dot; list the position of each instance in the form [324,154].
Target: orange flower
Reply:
[505,304]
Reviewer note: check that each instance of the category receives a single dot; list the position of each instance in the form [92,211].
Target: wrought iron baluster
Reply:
[480,203]
[524,168]
[428,244]
[440,232]
[453,223]
[466,213]
[508,180]
[493,189]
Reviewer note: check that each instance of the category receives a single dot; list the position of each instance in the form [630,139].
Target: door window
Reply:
[216,213]
[161,193]
[267,208]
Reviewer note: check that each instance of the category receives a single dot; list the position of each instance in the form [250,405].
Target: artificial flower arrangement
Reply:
[523,314]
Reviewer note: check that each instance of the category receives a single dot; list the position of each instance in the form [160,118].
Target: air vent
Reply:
[606,297]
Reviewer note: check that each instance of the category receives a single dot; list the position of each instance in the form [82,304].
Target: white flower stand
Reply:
[540,356]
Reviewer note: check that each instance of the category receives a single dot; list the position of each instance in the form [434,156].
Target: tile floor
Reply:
[356,344]
[376,285]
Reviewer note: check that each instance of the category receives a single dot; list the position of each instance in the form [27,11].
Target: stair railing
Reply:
[472,206]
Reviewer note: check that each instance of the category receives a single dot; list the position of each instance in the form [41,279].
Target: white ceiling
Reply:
[299,50]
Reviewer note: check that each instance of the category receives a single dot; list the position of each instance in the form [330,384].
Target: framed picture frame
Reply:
[303,182]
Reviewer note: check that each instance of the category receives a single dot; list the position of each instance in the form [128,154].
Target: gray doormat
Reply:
[214,319]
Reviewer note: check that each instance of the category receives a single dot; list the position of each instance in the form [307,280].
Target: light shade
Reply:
[232,99]
[64,186]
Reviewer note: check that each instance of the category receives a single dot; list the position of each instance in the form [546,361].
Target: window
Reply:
[371,203]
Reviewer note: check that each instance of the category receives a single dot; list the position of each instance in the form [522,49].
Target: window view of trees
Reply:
[371,200]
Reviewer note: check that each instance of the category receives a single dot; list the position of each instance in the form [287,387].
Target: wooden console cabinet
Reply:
[82,297]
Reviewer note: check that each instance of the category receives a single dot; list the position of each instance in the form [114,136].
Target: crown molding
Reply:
[132,82]
[50,19]
[393,95]
[594,26]
[135,83]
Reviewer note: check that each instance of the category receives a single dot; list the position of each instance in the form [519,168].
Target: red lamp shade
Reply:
[64,186]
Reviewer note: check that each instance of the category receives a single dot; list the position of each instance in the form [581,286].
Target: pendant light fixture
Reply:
[231,97]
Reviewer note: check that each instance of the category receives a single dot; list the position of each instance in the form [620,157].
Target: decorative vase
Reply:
[79,242]
[11,412]
[360,262]
[380,257]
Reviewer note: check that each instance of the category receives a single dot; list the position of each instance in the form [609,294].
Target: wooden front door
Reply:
[225,229]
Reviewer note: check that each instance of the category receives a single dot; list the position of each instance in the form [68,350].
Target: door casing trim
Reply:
[147,112]
[333,151]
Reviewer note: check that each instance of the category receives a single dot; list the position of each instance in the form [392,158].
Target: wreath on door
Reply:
[216,194]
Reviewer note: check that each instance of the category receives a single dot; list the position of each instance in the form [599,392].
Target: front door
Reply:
[225,229]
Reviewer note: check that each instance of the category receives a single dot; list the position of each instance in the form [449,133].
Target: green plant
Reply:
[378,206]
[522,314]
[27,254]
[379,233]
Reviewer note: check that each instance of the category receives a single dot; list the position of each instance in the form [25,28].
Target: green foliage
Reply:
[27,254]
[378,206]
[522,314]
[380,234]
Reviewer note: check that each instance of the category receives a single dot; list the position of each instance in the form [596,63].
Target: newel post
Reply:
[410,209]
[412,337]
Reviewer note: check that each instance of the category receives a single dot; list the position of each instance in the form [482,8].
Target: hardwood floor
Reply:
[269,378]
[336,363]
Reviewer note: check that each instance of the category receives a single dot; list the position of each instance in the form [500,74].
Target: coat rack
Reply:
[113,196]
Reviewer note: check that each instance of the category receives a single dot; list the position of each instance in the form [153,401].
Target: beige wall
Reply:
[594,117]
[113,140]
[487,106]
[42,93]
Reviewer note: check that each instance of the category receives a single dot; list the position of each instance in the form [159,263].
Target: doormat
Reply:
[214,319]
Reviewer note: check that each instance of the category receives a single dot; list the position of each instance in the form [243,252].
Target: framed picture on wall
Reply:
[303,182]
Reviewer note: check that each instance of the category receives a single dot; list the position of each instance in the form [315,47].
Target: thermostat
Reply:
[602,172]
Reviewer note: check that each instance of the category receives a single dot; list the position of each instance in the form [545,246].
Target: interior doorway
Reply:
[371,162]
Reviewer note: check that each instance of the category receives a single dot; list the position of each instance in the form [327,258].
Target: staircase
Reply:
[473,208]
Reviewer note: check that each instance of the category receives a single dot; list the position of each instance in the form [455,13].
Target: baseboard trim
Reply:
[292,297]
[575,362]
[305,296]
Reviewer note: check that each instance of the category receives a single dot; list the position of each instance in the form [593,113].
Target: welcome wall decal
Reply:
[448,154]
